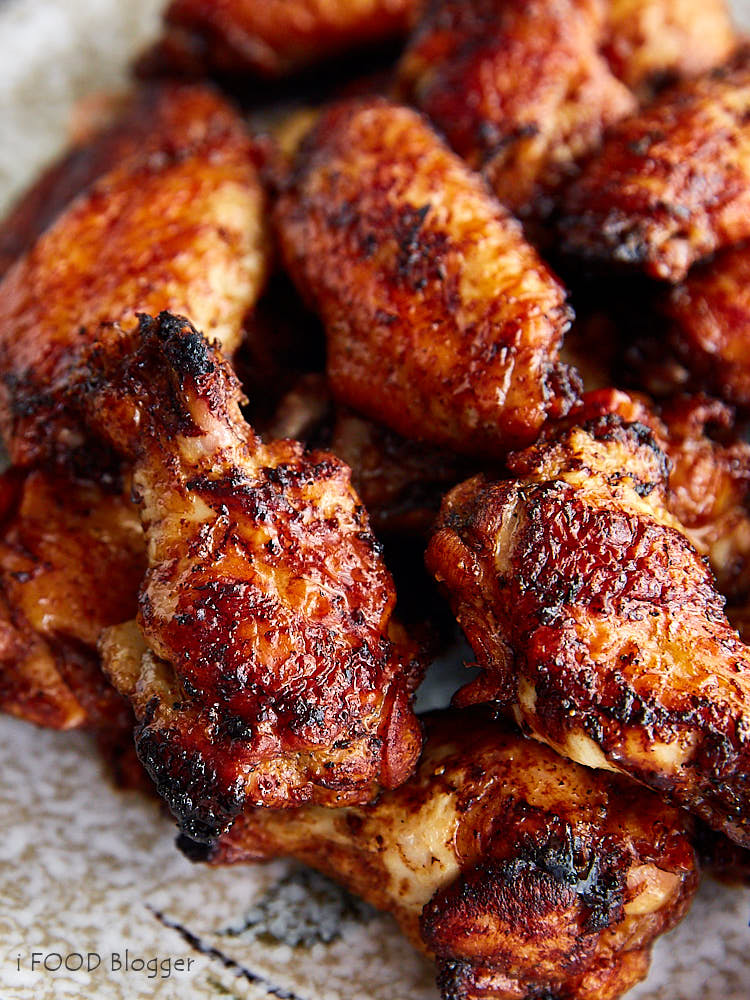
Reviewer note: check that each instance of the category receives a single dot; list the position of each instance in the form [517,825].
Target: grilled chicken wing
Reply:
[178,224]
[265,668]
[671,185]
[442,322]
[522,874]
[653,42]
[71,558]
[519,88]
[596,621]
[274,37]
[709,475]
[709,324]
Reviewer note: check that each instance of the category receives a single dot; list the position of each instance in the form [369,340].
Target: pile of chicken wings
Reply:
[357,319]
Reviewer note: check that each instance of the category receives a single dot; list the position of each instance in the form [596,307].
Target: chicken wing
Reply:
[654,42]
[596,621]
[709,324]
[519,88]
[442,322]
[522,874]
[179,224]
[274,37]
[671,184]
[265,668]
[71,558]
[709,475]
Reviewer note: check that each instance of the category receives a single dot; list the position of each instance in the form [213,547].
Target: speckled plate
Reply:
[95,901]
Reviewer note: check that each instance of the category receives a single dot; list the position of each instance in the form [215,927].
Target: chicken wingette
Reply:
[441,321]
[655,42]
[523,875]
[177,223]
[671,184]
[596,622]
[264,667]
[520,89]
[273,37]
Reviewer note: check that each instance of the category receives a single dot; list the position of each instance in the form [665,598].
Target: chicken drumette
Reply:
[522,874]
[595,620]
[72,557]
[265,668]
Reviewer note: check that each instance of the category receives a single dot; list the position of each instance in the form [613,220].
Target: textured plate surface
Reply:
[86,870]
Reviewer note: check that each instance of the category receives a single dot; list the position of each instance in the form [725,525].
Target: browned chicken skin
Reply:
[596,621]
[274,37]
[709,474]
[652,42]
[265,668]
[442,322]
[518,88]
[71,559]
[179,224]
[709,317]
[671,184]
[522,874]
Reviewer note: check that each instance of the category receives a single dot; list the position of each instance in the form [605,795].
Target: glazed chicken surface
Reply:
[72,556]
[274,37]
[178,224]
[653,42]
[595,620]
[708,320]
[524,875]
[265,667]
[671,184]
[441,321]
[519,89]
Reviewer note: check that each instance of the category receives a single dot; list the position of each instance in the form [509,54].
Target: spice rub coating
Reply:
[442,322]
[264,668]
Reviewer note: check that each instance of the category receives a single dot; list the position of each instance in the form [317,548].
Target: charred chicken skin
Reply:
[72,556]
[671,184]
[595,620]
[442,322]
[524,875]
[519,89]
[273,37]
[654,42]
[264,668]
[178,224]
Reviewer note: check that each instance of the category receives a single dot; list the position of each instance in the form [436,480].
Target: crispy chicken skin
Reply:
[154,119]
[441,321]
[522,874]
[518,88]
[179,226]
[71,559]
[709,324]
[274,37]
[653,42]
[264,668]
[671,184]
[596,621]
[709,474]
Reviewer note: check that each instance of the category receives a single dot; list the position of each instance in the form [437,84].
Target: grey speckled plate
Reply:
[88,871]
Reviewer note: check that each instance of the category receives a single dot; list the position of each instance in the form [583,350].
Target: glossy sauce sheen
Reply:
[265,668]
[442,322]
